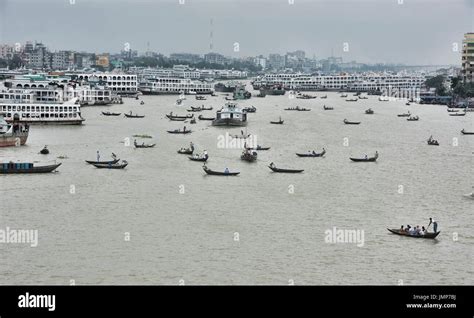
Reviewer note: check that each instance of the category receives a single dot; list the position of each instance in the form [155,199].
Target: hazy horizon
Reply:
[416,32]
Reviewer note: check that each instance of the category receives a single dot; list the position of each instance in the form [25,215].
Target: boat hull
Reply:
[426,236]
[12,141]
[12,169]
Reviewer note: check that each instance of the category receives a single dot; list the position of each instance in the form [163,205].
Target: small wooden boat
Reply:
[111,165]
[179,131]
[324,97]
[19,168]
[201,108]
[177,119]
[275,169]
[192,110]
[44,151]
[134,116]
[280,122]
[199,158]
[142,136]
[413,118]
[218,173]
[103,162]
[312,154]
[201,117]
[111,114]
[351,122]
[369,111]
[251,109]
[404,115]
[328,108]
[452,110]
[299,109]
[363,97]
[432,142]
[186,151]
[144,145]
[467,132]
[352,100]
[458,114]
[249,155]
[344,95]
[260,148]
[170,116]
[371,159]
[427,235]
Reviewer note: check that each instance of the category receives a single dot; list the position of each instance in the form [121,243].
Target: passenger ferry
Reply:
[166,85]
[23,107]
[14,134]
[230,115]
[354,82]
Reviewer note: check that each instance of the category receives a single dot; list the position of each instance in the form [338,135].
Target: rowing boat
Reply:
[313,154]
[275,169]
[218,173]
[102,162]
[112,166]
[351,122]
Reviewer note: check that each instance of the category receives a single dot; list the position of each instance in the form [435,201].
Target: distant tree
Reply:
[437,82]
[15,62]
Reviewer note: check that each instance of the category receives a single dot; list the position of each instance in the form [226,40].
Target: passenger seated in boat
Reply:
[422,231]
[402,229]
[314,152]
[411,231]
[226,170]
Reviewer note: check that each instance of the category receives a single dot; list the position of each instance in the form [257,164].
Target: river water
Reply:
[163,221]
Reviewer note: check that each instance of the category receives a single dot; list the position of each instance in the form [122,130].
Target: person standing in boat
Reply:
[98,155]
[435,225]
[191,145]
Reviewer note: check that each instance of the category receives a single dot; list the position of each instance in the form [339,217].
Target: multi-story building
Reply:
[6,51]
[276,61]
[62,60]
[186,57]
[215,58]
[468,57]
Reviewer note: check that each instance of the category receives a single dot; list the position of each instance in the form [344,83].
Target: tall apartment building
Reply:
[468,57]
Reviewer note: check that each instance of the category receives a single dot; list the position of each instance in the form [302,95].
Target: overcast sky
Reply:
[413,32]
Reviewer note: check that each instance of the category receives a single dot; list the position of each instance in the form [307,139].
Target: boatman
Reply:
[98,155]
[435,225]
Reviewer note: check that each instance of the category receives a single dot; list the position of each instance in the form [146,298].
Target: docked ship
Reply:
[272,90]
[226,87]
[14,134]
[230,115]
[167,85]
[360,82]
[23,106]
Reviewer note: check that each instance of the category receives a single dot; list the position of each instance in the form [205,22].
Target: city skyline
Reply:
[410,38]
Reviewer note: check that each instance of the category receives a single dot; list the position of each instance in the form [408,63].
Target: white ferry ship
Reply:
[354,82]
[25,107]
[167,85]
